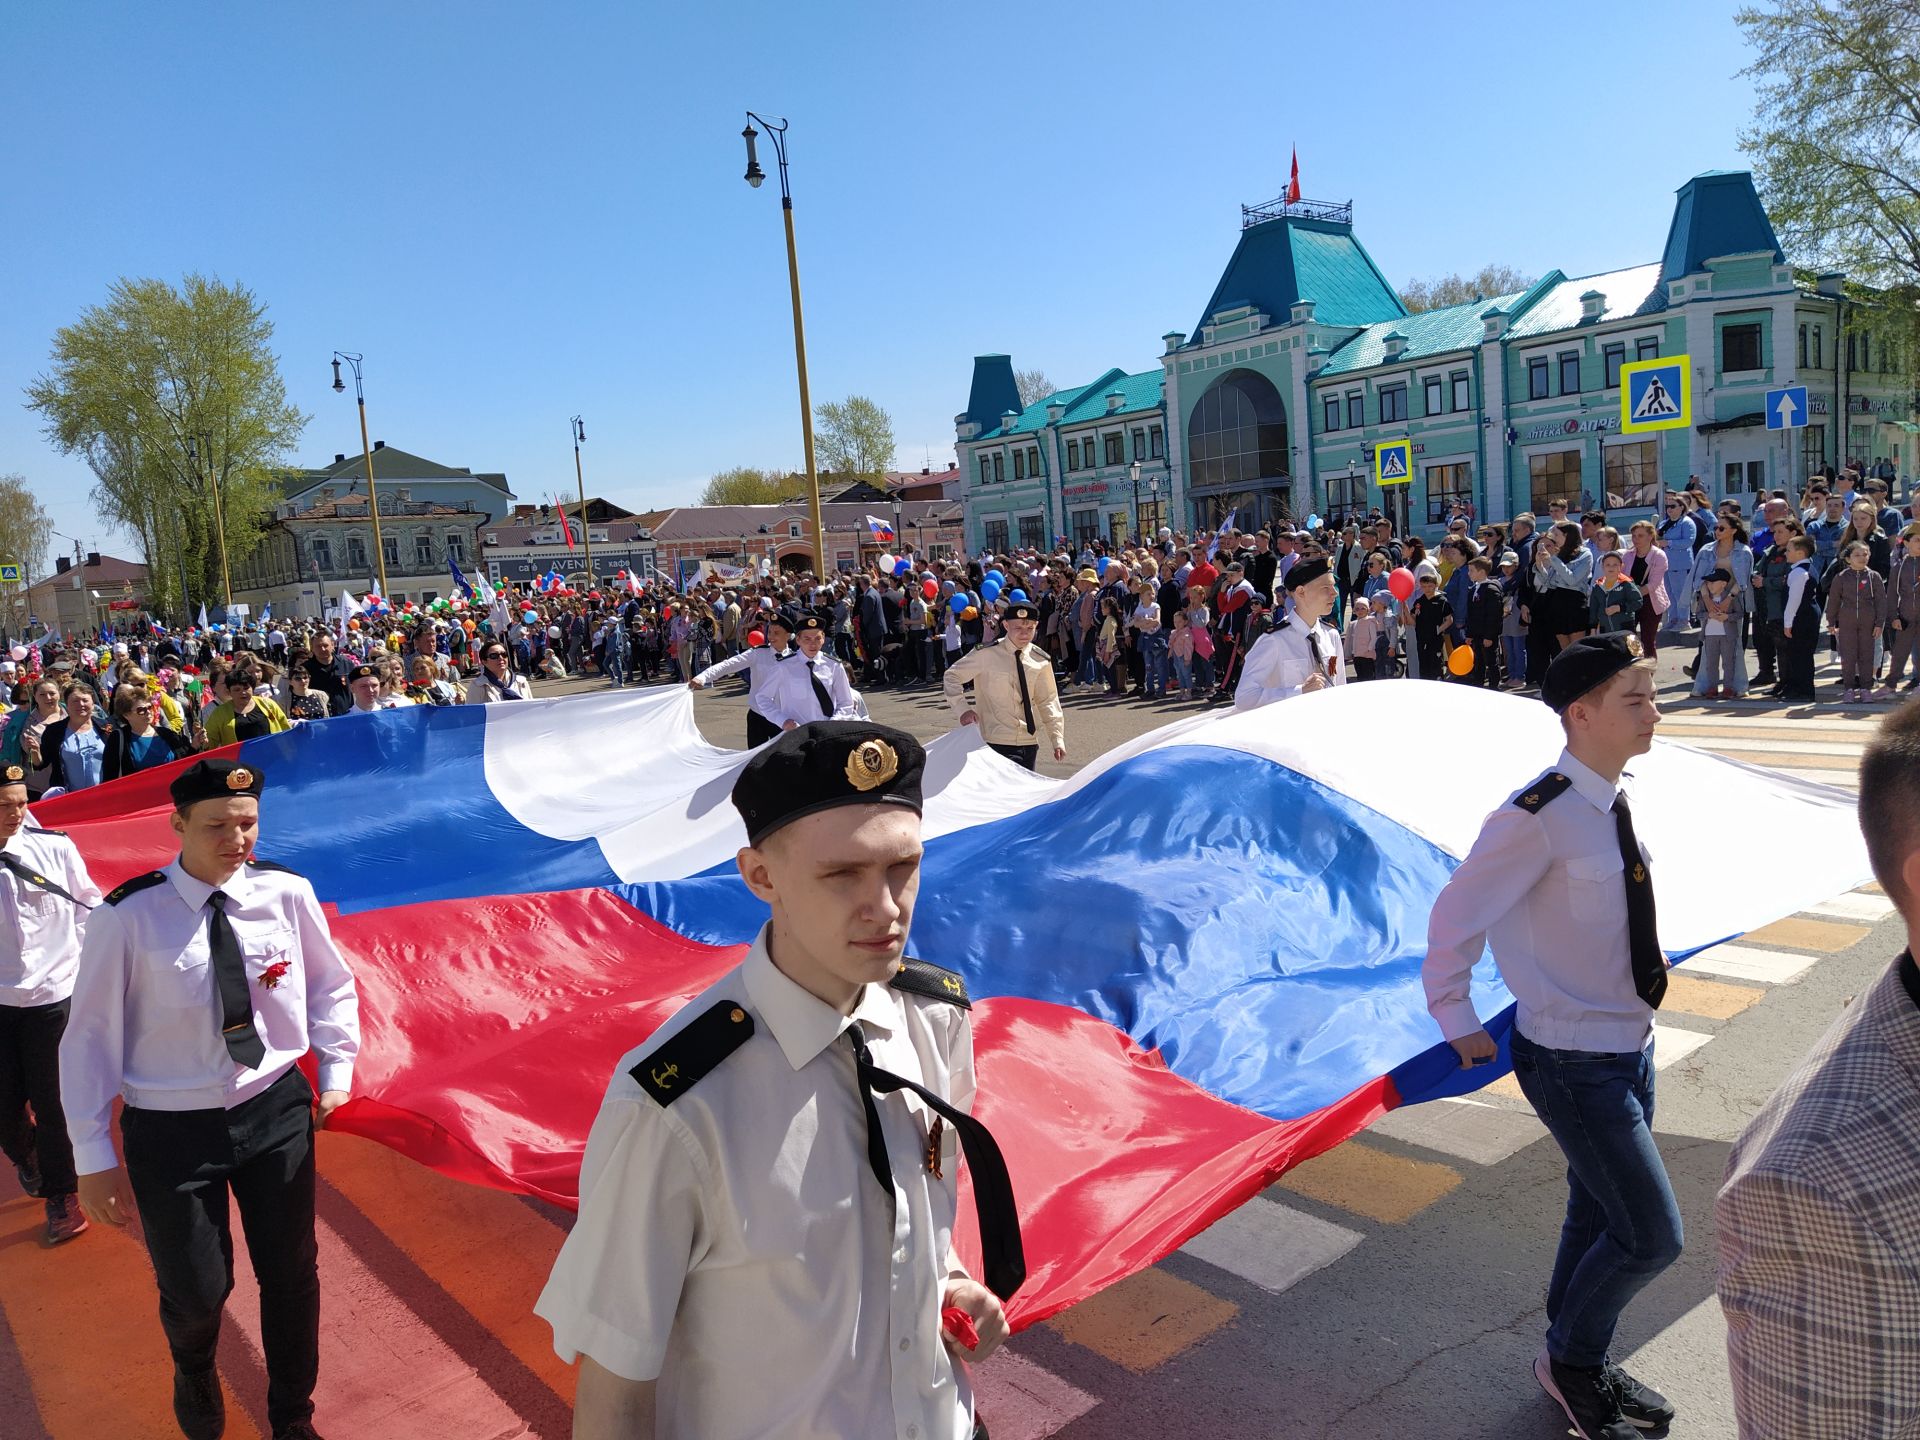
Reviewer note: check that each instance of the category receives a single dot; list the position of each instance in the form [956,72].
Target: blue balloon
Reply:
[990,591]
[999,577]
[528,616]
[902,566]
[1019,595]
[1313,522]
[957,603]
[1100,565]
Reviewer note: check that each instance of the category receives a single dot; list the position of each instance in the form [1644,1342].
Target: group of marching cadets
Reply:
[791,679]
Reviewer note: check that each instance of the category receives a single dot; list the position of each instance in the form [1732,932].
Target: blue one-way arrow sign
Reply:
[1787,407]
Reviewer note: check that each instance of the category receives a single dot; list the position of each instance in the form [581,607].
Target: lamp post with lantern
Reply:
[366,452]
[579,428]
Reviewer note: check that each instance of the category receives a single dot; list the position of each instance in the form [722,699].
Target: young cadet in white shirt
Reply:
[1302,653]
[1560,885]
[200,985]
[810,685]
[1007,689]
[760,662]
[45,895]
[764,1244]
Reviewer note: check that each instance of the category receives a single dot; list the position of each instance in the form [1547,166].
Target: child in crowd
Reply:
[1432,620]
[1903,613]
[1856,611]
[1513,634]
[1721,674]
[1199,620]
[1613,605]
[1801,621]
[1485,615]
[1363,639]
[1180,653]
[1108,649]
[1386,609]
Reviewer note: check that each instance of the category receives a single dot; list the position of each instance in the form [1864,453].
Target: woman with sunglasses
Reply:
[138,742]
[498,680]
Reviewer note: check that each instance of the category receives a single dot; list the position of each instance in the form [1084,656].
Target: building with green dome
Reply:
[1304,359]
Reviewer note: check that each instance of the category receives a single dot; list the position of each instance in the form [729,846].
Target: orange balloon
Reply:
[1460,662]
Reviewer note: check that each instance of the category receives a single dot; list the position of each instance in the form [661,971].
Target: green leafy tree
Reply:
[854,438]
[1835,139]
[169,393]
[25,527]
[1421,295]
[747,485]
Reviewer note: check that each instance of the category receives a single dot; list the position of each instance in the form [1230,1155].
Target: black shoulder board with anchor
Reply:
[682,1062]
[1548,787]
[917,977]
[135,886]
[269,865]
[37,830]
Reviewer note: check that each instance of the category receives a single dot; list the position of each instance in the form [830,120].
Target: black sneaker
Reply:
[29,1174]
[1643,1405]
[198,1404]
[1587,1396]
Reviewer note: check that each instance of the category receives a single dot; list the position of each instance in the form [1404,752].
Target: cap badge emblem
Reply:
[239,778]
[871,764]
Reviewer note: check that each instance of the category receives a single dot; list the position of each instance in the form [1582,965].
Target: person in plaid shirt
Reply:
[1819,1216]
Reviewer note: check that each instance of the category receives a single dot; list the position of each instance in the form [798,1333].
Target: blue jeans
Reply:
[1516,651]
[1623,1224]
[1153,661]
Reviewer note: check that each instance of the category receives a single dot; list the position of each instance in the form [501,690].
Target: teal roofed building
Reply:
[1304,359]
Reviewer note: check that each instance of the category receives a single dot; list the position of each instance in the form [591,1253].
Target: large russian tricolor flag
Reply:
[1196,963]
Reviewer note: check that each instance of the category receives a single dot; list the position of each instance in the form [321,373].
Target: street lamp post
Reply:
[1153,499]
[366,452]
[1133,474]
[777,132]
[219,514]
[579,475]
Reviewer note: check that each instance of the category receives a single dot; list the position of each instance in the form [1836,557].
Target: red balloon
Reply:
[1400,582]
[929,588]
[666,612]
[755,638]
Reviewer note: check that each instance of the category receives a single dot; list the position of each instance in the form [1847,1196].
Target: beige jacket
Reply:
[984,682]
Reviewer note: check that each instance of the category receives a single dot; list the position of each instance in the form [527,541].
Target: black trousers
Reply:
[182,1165]
[759,729]
[1765,643]
[1797,652]
[30,1076]
[1026,755]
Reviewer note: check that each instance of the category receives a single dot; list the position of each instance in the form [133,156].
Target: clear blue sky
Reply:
[521,211]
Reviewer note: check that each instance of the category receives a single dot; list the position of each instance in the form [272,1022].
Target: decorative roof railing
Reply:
[1338,212]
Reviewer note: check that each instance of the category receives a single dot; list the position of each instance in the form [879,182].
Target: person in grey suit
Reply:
[1819,1216]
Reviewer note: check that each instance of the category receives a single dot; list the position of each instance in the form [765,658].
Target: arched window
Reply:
[1238,432]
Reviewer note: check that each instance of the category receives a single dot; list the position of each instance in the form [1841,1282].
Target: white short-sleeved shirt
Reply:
[735,1245]
[1285,658]
[1547,888]
[40,932]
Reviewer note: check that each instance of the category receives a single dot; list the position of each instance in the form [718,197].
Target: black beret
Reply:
[808,620]
[1587,662]
[1305,572]
[362,672]
[823,764]
[214,780]
[1022,610]
[13,775]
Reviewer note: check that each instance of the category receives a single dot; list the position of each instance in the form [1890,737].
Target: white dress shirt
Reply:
[1281,661]
[1547,889]
[761,662]
[790,692]
[40,933]
[146,1016]
[735,1246]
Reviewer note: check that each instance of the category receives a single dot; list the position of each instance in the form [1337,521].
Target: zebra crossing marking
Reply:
[1271,1244]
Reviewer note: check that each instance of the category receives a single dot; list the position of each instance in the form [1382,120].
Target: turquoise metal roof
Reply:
[1717,213]
[1638,290]
[1089,402]
[1281,262]
[1434,332]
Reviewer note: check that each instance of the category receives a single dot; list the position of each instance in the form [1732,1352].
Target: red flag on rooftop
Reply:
[1293,185]
[566,525]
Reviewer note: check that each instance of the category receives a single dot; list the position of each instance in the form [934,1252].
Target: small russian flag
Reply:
[882,531]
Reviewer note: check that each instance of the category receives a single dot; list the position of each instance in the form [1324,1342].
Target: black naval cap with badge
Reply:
[12,775]
[1588,662]
[1021,610]
[1305,572]
[825,764]
[805,620]
[214,779]
[362,672]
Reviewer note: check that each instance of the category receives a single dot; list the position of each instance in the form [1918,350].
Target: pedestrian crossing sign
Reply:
[1656,394]
[1392,462]
[9,574]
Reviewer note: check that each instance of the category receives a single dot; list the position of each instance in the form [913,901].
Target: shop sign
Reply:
[1553,430]
[1091,487]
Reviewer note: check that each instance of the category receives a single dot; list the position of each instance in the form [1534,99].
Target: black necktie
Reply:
[30,876]
[1026,697]
[1643,938]
[820,691]
[230,974]
[1005,1260]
